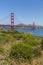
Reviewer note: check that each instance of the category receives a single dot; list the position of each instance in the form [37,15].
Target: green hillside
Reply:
[18,48]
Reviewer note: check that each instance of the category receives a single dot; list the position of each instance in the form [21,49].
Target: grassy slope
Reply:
[8,38]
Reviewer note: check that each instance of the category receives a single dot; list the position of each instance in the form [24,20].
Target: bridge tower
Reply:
[12,21]
[33,25]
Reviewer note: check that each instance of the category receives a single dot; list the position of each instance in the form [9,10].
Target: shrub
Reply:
[37,52]
[21,51]
[1,49]
[19,36]
[32,42]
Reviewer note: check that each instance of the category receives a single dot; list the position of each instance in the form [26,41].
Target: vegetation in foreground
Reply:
[18,48]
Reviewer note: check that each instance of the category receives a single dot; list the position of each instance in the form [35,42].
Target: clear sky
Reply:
[26,11]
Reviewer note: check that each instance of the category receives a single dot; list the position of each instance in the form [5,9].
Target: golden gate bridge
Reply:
[12,25]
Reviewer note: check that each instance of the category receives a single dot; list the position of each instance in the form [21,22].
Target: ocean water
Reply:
[36,32]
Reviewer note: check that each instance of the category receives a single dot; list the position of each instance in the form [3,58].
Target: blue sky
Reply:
[26,11]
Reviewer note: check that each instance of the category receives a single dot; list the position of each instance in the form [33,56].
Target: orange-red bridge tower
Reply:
[12,21]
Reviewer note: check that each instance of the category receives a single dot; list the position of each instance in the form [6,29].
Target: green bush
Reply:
[1,49]
[21,51]
[37,52]
[26,52]
[19,36]
[32,42]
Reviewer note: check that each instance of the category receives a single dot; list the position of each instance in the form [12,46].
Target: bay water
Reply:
[36,32]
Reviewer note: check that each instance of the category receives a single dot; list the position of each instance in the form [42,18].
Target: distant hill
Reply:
[21,25]
[24,26]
